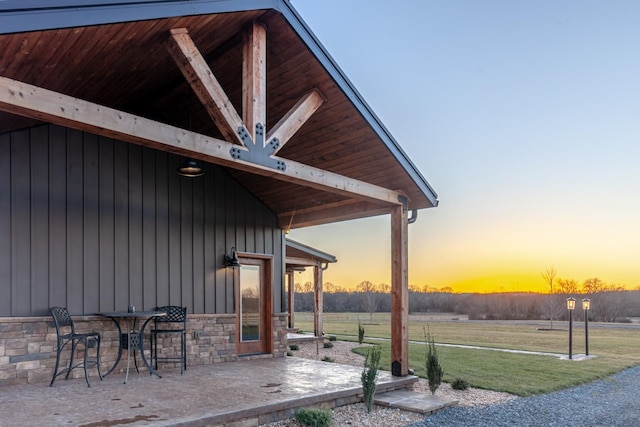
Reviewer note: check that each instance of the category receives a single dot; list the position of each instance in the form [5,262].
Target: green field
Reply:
[616,346]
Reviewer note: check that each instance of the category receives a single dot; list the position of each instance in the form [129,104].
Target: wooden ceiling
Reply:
[126,66]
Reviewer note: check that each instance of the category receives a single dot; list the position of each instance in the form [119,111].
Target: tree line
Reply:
[609,303]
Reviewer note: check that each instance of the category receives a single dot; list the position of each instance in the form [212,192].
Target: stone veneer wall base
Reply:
[27,344]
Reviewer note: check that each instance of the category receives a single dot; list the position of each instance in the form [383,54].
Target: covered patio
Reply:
[100,105]
[246,393]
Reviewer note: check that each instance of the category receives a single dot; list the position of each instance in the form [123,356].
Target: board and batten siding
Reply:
[96,224]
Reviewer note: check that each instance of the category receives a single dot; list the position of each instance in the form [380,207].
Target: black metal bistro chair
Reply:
[66,334]
[175,322]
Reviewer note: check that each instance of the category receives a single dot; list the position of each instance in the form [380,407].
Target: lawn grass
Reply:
[521,374]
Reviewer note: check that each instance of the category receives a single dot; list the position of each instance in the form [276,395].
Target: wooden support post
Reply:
[399,292]
[291,293]
[318,302]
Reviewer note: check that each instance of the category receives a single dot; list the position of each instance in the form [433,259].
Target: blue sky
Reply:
[525,118]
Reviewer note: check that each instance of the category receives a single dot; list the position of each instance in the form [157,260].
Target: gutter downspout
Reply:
[413,217]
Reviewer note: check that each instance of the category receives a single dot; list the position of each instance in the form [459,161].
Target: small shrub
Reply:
[360,333]
[460,384]
[434,370]
[332,338]
[314,417]
[328,345]
[289,353]
[294,347]
[370,375]
[327,359]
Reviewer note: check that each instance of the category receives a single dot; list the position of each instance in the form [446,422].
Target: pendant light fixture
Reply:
[190,169]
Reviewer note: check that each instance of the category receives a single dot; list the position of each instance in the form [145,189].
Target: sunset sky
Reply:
[525,118]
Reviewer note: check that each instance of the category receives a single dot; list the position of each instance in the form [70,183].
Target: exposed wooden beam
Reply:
[42,104]
[295,118]
[254,80]
[338,211]
[399,292]
[303,262]
[195,69]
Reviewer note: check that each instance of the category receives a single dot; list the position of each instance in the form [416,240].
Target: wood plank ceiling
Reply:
[126,66]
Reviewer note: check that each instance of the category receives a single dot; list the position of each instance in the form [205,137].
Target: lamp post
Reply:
[571,304]
[586,305]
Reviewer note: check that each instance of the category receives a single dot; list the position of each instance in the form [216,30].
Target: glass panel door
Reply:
[250,318]
[253,306]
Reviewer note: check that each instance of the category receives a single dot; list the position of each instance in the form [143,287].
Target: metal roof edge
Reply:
[311,251]
[38,15]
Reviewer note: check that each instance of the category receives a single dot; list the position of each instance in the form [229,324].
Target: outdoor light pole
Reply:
[586,305]
[571,304]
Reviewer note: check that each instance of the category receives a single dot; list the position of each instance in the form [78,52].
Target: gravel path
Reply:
[612,402]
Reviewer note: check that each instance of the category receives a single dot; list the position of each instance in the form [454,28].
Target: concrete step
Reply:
[414,401]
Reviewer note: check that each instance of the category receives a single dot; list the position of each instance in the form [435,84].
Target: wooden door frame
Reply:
[266,304]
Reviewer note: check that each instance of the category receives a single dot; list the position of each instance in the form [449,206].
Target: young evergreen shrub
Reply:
[327,359]
[289,353]
[328,345]
[460,384]
[332,338]
[294,347]
[314,417]
[370,375]
[434,370]
[360,333]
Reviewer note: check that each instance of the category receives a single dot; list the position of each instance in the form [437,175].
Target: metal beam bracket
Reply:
[405,202]
[257,152]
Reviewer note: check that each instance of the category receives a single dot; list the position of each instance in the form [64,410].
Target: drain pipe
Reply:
[413,217]
[405,206]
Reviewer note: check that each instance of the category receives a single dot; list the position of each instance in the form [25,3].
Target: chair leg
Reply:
[184,350]
[55,370]
[182,355]
[98,358]
[74,344]
[154,346]
[85,340]
[135,361]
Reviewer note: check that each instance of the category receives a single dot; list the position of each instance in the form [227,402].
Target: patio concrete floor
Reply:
[244,393]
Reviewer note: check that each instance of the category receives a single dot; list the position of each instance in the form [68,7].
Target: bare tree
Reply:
[608,302]
[593,285]
[617,304]
[553,302]
[567,286]
[304,296]
[370,304]
[384,288]
[549,275]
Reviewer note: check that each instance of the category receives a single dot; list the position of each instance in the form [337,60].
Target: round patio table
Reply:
[133,339]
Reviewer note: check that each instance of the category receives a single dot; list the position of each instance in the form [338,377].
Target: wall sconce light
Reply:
[231,260]
[190,169]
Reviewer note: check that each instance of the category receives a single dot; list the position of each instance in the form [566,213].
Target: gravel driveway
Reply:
[611,402]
